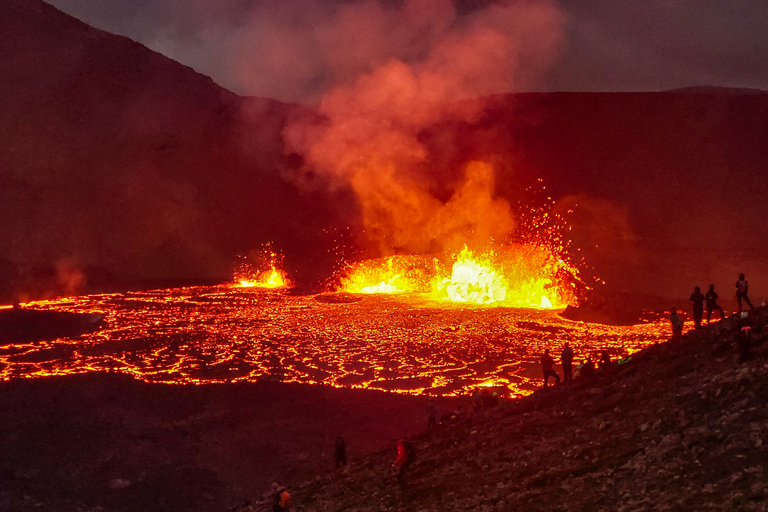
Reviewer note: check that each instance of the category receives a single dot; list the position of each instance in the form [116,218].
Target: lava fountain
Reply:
[268,274]
[515,275]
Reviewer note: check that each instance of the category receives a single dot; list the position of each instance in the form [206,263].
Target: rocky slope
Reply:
[98,442]
[682,426]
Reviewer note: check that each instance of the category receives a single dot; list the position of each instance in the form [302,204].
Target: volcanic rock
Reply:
[680,427]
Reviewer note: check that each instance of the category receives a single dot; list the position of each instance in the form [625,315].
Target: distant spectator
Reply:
[340,451]
[566,357]
[677,324]
[742,289]
[546,367]
[431,413]
[587,370]
[744,335]
[605,361]
[406,455]
[477,400]
[281,500]
[698,306]
[712,305]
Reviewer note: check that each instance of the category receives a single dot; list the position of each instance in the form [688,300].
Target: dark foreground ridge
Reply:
[680,427]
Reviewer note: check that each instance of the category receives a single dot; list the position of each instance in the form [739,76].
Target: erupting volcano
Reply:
[514,275]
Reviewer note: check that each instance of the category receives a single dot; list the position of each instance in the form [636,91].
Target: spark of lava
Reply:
[266,273]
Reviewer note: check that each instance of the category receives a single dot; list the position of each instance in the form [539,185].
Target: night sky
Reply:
[288,50]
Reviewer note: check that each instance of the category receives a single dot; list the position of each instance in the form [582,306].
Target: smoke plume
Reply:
[369,138]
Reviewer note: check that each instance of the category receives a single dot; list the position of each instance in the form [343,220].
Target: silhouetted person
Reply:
[698,306]
[431,413]
[587,368]
[744,335]
[712,305]
[477,400]
[340,451]
[677,324]
[546,368]
[281,500]
[566,357]
[605,361]
[742,288]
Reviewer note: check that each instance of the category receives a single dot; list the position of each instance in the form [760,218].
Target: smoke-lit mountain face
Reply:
[115,157]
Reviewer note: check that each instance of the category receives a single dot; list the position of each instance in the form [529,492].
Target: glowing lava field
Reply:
[405,343]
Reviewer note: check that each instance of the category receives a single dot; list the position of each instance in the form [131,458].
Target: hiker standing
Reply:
[604,364]
[712,305]
[744,335]
[566,357]
[340,451]
[546,368]
[742,288]
[677,324]
[405,457]
[698,306]
[477,400]
[431,413]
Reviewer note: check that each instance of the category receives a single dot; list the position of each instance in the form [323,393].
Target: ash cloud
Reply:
[369,140]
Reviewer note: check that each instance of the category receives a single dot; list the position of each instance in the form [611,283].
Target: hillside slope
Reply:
[115,157]
[680,427]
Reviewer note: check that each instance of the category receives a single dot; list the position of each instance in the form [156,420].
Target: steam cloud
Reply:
[428,65]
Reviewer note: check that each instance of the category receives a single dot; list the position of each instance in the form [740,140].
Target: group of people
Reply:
[709,299]
[584,370]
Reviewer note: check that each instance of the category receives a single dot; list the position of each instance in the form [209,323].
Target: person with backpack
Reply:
[744,335]
[340,451]
[406,455]
[742,288]
[567,359]
[431,413]
[712,305]
[546,368]
[281,500]
[677,324]
[698,299]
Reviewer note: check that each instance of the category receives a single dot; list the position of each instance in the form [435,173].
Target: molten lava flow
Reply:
[515,275]
[395,274]
[273,278]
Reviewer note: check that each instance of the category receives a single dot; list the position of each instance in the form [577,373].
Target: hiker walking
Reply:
[742,288]
[340,451]
[431,413]
[546,368]
[281,500]
[712,305]
[406,455]
[477,400]
[744,335]
[566,357]
[604,364]
[677,324]
[587,368]
[698,299]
